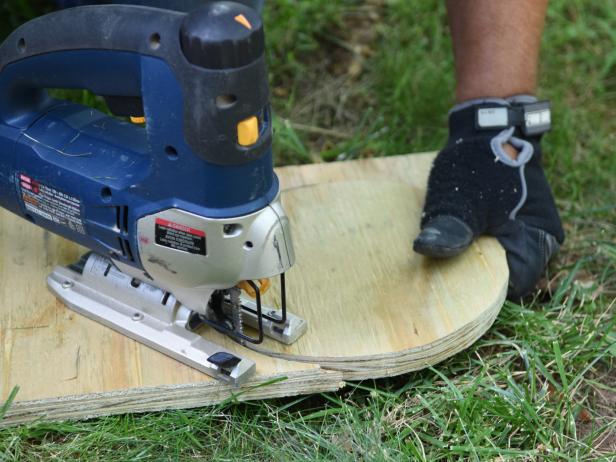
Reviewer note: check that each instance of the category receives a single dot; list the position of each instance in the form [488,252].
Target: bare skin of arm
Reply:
[496,46]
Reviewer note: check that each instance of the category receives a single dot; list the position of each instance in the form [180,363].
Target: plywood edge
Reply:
[413,364]
[151,399]
[374,168]
[420,157]
[408,360]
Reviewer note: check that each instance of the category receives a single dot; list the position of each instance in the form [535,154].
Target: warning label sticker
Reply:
[51,204]
[179,237]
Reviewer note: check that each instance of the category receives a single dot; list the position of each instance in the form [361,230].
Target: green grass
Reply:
[355,79]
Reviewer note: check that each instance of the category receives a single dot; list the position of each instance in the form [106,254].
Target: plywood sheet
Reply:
[375,308]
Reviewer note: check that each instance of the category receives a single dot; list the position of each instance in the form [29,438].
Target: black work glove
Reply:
[475,188]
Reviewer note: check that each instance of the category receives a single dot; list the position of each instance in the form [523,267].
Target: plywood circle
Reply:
[372,303]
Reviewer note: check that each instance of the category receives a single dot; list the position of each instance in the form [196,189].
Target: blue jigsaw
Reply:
[174,191]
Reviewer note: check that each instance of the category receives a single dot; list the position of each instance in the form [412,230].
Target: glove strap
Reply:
[531,118]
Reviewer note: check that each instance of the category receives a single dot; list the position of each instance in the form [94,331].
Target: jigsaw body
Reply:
[178,210]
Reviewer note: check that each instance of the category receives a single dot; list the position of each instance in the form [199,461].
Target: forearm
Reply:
[496,46]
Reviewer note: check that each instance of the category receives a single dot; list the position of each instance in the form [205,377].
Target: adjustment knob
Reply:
[222,35]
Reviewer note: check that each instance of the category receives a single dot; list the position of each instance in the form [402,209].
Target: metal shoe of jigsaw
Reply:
[180,211]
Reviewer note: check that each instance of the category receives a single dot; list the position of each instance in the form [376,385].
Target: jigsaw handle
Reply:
[215,55]
[43,54]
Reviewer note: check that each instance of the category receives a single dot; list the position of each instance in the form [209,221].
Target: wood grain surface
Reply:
[374,307]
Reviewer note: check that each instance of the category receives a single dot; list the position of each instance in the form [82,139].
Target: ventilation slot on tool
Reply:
[122,218]
[127,253]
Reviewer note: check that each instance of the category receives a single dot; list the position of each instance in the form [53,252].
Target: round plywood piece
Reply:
[374,307]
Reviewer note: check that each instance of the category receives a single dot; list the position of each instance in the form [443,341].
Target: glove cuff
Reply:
[529,117]
[515,99]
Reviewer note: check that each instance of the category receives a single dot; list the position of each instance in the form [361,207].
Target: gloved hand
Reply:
[476,188]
